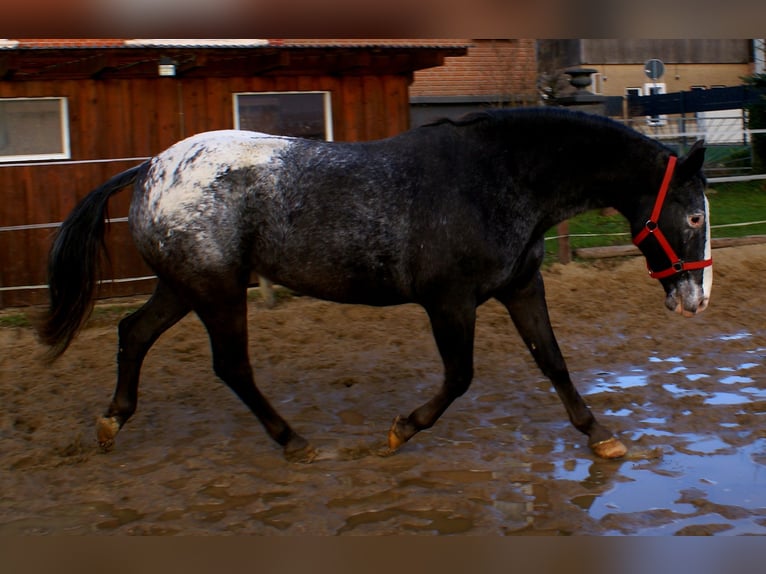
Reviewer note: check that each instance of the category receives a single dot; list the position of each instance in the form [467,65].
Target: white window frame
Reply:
[326,102]
[656,88]
[66,152]
[597,81]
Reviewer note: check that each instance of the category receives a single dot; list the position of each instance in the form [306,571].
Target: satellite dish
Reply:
[654,69]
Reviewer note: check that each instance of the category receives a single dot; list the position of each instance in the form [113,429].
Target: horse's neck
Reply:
[608,171]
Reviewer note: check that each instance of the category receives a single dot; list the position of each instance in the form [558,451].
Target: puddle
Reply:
[706,482]
[613,382]
[666,360]
[734,379]
[700,483]
[726,399]
[733,376]
[618,413]
[679,392]
[735,336]
[722,475]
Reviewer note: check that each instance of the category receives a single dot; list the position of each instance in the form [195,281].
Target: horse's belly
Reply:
[334,281]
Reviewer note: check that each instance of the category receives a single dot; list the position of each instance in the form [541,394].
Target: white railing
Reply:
[725,127]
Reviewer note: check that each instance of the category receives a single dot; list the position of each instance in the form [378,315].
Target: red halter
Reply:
[652,228]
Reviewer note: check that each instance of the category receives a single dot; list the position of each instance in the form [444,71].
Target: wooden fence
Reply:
[114,124]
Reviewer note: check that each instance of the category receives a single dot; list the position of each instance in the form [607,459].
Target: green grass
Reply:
[104,314]
[280,294]
[730,203]
[739,202]
[14,320]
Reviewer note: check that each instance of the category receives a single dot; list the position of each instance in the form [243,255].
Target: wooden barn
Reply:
[75,112]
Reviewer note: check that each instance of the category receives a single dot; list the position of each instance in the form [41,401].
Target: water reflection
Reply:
[735,336]
[704,482]
[721,475]
[712,481]
[614,382]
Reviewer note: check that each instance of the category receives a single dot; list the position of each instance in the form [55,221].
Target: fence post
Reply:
[266,287]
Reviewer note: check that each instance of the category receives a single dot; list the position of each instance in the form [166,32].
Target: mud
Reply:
[687,396]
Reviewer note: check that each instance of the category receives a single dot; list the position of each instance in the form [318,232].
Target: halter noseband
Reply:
[651,227]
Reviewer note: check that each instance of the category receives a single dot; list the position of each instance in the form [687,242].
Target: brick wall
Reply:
[506,68]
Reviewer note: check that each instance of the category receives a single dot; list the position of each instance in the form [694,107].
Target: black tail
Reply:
[73,265]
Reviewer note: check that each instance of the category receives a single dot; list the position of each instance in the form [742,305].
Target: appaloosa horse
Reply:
[447,215]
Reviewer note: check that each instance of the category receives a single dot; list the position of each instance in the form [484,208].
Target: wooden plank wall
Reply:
[133,118]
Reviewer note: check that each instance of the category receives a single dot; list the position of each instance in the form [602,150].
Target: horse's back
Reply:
[319,216]
[377,222]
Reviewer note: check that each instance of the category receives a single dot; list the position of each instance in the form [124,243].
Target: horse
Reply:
[446,215]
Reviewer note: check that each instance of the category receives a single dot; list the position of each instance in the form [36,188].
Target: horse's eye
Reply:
[696,220]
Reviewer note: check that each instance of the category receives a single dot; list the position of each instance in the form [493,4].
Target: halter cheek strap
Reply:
[651,227]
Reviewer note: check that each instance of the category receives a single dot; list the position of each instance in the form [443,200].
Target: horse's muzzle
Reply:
[687,299]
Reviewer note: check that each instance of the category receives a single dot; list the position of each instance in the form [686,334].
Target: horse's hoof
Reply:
[106,429]
[609,448]
[395,438]
[299,450]
[385,452]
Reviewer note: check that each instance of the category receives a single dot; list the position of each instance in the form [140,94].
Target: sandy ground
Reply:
[688,396]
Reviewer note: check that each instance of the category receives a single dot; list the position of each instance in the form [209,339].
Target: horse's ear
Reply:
[692,162]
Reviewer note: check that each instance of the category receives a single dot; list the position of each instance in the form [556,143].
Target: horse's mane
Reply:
[464,120]
[499,114]
[551,113]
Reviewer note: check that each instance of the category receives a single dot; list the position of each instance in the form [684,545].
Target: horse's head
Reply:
[673,232]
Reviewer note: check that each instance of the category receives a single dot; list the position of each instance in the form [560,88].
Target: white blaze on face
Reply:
[688,297]
[707,272]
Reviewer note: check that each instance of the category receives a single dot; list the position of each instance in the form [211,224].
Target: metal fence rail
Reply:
[729,153]
[728,140]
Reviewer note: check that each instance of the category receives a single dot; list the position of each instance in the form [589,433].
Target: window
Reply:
[652,89]
[633,91]
[301,114]
[33,128]
[597,81]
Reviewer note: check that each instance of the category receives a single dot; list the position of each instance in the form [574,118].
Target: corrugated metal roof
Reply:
[95,43]
[16,43]
[378,42]
[196,43]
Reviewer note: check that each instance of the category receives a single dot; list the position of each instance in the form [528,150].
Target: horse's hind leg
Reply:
[137,333]
[453,328]
[529,313]
[226,322]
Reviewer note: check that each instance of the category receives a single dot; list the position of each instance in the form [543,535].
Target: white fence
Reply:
[726,127]
[725,133]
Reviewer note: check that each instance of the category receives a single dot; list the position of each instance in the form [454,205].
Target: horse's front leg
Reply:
[529,313]
[453,328]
